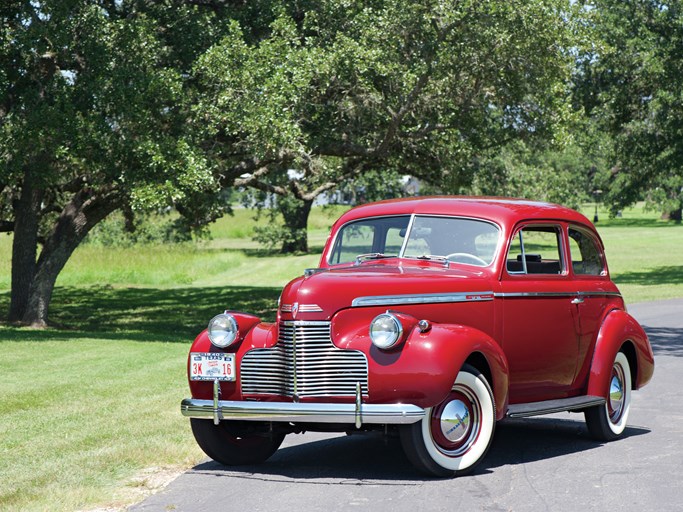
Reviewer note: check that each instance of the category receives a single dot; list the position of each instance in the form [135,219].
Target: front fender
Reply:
[422,369]
[620,331]
[253,334]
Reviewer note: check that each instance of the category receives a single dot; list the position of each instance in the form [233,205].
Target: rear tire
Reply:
[454,435]
[233,443]
[607,422]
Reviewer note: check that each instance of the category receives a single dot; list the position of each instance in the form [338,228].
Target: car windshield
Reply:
[455,239]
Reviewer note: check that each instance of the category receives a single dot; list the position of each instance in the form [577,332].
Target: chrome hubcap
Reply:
[455,421]
[616,393]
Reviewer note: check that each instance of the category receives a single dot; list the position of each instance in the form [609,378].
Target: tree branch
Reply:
[74,185]
[342,150]
[398,116]
[216,5]
[353,169]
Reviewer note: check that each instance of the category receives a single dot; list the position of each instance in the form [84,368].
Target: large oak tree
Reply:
[91,121]
[332,89]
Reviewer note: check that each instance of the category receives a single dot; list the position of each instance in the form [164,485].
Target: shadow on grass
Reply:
[656,276]
[142,314]
[275,253]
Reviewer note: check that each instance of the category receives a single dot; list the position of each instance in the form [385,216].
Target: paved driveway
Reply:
[539,464]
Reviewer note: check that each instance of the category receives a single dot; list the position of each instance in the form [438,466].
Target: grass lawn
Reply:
[89,412]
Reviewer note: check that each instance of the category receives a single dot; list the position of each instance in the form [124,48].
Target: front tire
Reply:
[235,443]
[454,435]
[607,422]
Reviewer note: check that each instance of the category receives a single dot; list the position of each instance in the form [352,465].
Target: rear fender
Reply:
[422,368]
[620,332]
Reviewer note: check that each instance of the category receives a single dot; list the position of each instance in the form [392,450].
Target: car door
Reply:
[596,292]
[540,314]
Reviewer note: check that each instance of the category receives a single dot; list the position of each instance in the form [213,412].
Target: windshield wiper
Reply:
[433,257]
[370,256]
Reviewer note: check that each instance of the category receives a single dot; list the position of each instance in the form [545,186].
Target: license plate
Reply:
[209,366]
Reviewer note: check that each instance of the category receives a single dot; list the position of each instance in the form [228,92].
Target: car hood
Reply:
[323,292]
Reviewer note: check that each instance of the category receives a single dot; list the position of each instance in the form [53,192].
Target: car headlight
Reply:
[385,331]
[223,330]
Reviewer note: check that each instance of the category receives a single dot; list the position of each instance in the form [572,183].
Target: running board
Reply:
[552,406]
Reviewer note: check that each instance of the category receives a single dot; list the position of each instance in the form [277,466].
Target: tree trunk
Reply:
[24,246]
[674,215]
[296,221]
[74,223]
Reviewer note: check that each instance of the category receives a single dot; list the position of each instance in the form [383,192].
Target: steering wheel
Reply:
[467,256]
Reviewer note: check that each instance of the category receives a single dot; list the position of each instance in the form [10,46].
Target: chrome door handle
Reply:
[578,300]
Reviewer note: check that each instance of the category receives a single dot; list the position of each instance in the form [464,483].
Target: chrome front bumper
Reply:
[356,413]
[303,412]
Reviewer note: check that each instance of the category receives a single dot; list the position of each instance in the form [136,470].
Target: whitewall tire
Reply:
[608,422]
[454,435]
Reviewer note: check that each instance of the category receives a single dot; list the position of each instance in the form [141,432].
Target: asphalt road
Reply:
[538,464]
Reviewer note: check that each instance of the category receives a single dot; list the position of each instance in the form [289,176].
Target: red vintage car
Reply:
[432,318]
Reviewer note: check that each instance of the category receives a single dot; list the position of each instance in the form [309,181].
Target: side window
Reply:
[536,250]
[586,256]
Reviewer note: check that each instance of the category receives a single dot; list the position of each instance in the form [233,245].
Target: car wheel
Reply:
[234,443]
[607,422]
[454,435]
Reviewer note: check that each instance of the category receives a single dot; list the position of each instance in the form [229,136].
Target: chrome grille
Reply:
[304,362]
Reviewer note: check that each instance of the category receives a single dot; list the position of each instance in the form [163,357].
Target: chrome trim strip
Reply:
[422,298]
[599,294]
[303,308]
[295,389]
[406,238]
[305,322]
[359,406]
[377,414]
[516,295]
[434,298]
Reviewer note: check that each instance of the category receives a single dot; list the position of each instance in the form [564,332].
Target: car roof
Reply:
[503,210]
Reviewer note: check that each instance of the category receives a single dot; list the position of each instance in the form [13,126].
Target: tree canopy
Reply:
[630,82]
[92,119]
[335,89]
[134,105]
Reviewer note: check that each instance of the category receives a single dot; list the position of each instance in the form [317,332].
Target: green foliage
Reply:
[370,186]
[93,85]
[335,90]
[566,176]
[147,229]
[631,83]
[93,109]
[274,236]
